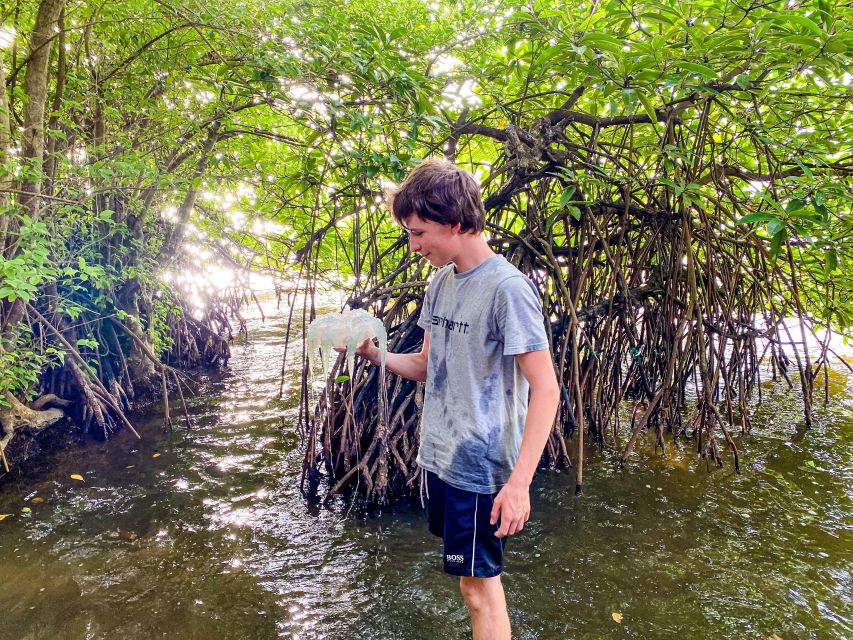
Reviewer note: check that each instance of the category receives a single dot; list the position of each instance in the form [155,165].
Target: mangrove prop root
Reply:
[659,322]
[95,385]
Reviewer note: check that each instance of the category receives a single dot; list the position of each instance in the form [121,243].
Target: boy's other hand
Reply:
[512,508]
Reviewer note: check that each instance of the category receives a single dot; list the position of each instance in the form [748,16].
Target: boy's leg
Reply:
[472,552]
[487,604]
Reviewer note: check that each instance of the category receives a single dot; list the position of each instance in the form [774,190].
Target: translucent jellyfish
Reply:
[345,330]
[348,330]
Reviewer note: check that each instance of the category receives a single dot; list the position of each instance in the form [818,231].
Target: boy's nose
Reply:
[414,246]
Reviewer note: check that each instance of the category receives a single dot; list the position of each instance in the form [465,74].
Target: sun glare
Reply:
[7,37]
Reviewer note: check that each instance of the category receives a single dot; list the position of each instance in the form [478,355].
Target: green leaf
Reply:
[603,41]
[646,77]
[806,171]
[799,20]
[757,217]
[825,8]
[831,260]
[834,45]
[706,72]
[775,226]
[342,378]
[795,205]
[771,202]
[803,41]
[649,106]
[776,243]
[629,98]
[554,51]
[88,342]
[566,196]
[657,18]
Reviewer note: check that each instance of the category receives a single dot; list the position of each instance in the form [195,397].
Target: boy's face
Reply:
[434,241]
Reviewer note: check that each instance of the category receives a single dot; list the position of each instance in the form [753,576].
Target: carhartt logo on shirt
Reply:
[454,558]
[450,325]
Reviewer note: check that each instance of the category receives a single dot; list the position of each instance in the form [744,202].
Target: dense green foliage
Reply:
[187,137]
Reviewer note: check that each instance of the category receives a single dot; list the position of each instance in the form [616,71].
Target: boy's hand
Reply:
[512,507]
[366,350]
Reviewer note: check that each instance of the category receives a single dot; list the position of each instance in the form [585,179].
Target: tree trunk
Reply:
[35,92]
[5,142]
[35,95]
[175,234]
[61,71]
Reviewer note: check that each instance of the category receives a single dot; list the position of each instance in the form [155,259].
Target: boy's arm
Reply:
[408,365]
[512,504]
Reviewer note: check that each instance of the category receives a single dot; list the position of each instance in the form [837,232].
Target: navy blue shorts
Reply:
[461,519]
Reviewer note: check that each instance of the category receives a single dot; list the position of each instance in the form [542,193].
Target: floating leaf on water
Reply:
[26,510]
[3,516]
[77,476]
[130,466]
[617,617]
[156,454]
[37,500]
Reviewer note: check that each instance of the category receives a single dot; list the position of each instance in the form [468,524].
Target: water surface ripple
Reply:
[212,539]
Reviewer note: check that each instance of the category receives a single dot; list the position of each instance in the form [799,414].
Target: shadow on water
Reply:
[205,535]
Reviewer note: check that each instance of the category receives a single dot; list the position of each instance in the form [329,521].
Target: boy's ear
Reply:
[455,227]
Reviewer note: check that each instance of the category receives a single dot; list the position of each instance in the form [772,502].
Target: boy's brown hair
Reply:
[440,191]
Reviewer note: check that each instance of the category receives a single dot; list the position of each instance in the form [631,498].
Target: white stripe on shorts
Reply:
[474,545]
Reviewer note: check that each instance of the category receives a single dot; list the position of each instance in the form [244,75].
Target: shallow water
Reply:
[212,539]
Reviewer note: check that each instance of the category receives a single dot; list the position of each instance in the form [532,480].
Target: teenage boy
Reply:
[484,350]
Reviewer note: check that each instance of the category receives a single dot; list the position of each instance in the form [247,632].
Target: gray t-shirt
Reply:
[475,401]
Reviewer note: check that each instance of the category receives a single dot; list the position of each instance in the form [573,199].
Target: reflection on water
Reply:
[211,539]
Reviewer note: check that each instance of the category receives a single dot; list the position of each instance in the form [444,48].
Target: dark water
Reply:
[212,539]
